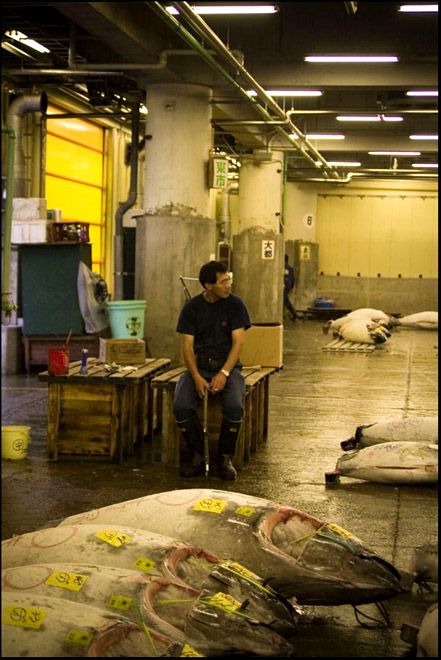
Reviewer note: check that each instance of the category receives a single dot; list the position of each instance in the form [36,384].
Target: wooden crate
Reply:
[101,413]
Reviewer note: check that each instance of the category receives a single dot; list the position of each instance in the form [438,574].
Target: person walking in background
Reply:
[288,286]
[212,327]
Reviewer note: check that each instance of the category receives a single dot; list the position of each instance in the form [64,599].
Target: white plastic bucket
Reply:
[15,441]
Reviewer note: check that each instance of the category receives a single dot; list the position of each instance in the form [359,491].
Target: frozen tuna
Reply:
[364,331]
[424,320]
[299,555]
[392,462]
[213,620]
[375,315]
[411,429]
[427,639]
[424,563]
[42,626]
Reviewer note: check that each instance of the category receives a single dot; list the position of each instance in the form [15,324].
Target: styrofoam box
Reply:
[30,231]
[29,208]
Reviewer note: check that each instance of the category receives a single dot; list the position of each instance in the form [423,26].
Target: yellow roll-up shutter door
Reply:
[74,176]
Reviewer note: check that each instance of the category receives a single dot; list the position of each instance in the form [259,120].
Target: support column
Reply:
[258,255]
[175,236]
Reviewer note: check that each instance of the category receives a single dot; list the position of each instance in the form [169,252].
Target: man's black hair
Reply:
[209,271]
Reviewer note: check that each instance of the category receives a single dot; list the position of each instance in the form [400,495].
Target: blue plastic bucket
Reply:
[126,318]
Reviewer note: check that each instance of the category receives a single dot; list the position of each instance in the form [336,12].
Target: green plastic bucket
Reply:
[126,318]
[15,441]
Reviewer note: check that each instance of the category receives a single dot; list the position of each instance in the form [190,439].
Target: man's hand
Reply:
[218,383]
[201,385]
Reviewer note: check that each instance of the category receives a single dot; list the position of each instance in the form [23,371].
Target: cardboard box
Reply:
[263,345]
[122,351]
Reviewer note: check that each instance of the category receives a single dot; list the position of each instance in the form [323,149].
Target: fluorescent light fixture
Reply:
[391,118]
[418,8]
[423,137]
[288,92]
[341,163]
[358,118]
[351,58]
[22,38]
[229,9]
[394,153]
[434,165]
[320,136]
[430,92]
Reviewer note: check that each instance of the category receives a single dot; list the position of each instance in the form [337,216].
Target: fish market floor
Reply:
[316,401]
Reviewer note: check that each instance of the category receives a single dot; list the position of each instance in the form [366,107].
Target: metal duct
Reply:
[224,215]
[119,237]
[14,119]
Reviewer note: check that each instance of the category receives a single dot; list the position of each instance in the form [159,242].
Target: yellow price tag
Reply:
[83,637]
[244,511]
[224,601]
[338,530]
[238,568]
[72,581]
[208,504]
[113,537]
[120,602]
[188,652]
[26,617]
[144,564]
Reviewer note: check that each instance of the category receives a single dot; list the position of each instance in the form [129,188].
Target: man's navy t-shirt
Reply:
[211,324]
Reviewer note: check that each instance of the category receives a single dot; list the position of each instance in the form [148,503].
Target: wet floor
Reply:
[316,401]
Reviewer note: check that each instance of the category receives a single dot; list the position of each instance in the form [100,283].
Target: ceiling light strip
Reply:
[351,58]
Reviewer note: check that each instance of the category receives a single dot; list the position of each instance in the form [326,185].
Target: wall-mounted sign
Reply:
[218,176]
[309,220]
[305,252]
[268,249]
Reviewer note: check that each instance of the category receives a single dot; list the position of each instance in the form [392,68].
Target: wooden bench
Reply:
[101,413]
[254,429]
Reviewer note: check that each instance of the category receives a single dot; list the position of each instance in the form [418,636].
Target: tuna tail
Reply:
[359,431]
[346,445]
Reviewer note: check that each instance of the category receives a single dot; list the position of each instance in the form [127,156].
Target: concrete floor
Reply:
[316,401]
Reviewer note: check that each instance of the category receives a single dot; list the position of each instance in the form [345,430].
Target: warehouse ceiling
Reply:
[107,53]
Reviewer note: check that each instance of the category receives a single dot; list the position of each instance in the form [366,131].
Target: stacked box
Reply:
[30,231]
[29,208]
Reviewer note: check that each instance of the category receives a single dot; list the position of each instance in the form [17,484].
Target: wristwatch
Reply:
[225,372]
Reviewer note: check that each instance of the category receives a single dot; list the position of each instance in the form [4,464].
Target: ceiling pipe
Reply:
[206,33]
[14,119]
[211,38]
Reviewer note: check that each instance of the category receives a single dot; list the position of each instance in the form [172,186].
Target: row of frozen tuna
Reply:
[391,451]
[108,582]
[373,326]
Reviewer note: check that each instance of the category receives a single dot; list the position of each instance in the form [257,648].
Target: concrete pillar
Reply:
[176,164]
[175,237]
[258,247]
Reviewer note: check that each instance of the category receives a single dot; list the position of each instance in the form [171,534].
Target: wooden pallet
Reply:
[349,346]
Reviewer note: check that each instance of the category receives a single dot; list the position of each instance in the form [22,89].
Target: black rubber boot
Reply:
[193,434]
[227,446]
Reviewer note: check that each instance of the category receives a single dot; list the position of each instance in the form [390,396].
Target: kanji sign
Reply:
[305,252]
[219,173]
[268,249]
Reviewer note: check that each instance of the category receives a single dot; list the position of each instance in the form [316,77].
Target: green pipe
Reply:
[7,305]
